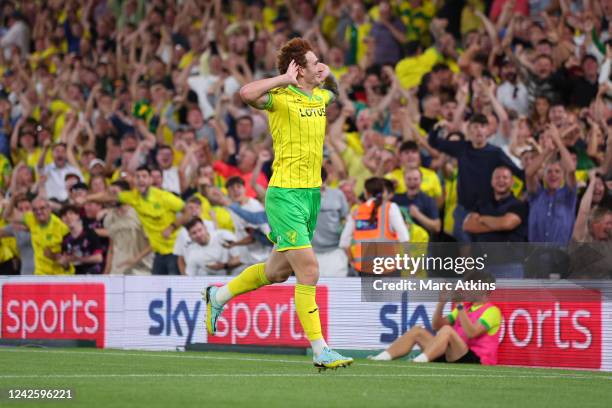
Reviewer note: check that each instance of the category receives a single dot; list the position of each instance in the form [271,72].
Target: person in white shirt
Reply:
[193,208]
[201,83]
[56,172]
[171,175]
[512,93]
[252,251]
[207,252]
[18,34]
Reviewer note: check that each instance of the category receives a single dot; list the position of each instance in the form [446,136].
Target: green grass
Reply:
[119,378]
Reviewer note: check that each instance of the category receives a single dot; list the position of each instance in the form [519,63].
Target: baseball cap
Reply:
[95,162]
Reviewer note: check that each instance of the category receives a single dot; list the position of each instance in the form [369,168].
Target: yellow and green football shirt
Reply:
[48,236]
[156,211]
[297,123]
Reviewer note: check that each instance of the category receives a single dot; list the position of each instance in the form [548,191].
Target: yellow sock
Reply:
[250,279]
[308,311]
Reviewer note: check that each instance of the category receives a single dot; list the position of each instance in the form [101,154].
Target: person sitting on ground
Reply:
[469,334]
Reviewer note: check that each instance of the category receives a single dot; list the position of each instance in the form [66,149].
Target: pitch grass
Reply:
[120,378]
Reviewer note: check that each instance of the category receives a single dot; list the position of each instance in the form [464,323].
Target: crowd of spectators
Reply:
[125,147]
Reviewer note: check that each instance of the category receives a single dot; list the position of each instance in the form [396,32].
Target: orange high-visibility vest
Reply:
[379,231]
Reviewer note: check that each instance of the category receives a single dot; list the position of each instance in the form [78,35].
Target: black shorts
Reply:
[468,358]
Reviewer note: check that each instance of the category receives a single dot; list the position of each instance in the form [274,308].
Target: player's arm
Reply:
[256,92]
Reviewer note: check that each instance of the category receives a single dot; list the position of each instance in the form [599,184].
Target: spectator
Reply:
[552,204]
[584,87]
[502,218]
[476,162]
[193,209]
[56,173]
[592,224]
[250,249]
[21,233]
[47,232]
[128,252]
[421,207]
[208,253]
[410,159]
[80,247]
[388,35]
[590,249]
[18,35]
[247,158]
[375,219]
[157,211]
[469,334]
[512,93]
[170,174]
[325,242]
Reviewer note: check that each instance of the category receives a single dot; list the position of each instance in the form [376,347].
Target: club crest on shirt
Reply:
[292,236]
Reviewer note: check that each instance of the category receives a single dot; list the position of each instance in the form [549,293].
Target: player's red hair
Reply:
[294,49]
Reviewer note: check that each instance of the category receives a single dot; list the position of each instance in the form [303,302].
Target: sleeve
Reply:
[225,236]
[396,221]
[436,185]
[328,96]
[222,168]
[452,317]
[96,245]
[451,148]
[28,219]
[519,209]
[179,243]
[344,208]
[274,100]
[251,217]
[347,233]
[63,228]
[128,197]
[491,318]
[431,209]
[172,202]
[505,160]
[8,230]
[532,196]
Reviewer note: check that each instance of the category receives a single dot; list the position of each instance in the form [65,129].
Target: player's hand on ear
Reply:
[292,74]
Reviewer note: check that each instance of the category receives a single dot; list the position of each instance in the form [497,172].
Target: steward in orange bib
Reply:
[374,221]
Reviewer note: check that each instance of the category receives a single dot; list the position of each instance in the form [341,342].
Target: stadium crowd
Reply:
[125,147]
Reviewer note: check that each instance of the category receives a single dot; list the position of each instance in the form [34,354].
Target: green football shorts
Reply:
[292,216]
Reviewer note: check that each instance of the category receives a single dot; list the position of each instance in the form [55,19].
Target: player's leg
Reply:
[282,214]
[446,342]
[403,345]
[304,263]
[276,269]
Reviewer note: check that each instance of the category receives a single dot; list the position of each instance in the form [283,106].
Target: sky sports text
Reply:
[405,262]
[264,317]
[54,311]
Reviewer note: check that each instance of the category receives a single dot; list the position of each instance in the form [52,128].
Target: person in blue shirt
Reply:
[476,161]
